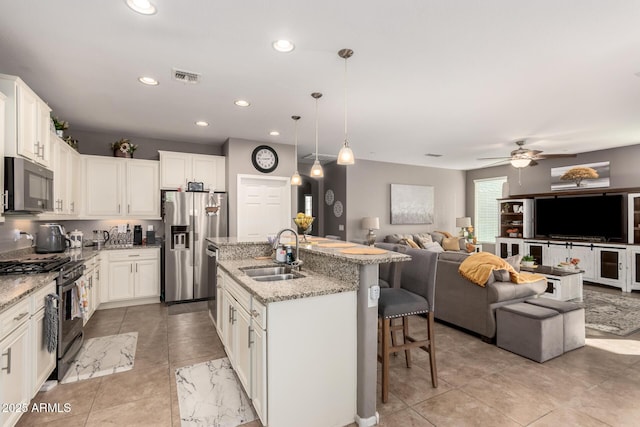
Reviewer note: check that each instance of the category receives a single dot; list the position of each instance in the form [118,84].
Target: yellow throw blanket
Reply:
[479,266]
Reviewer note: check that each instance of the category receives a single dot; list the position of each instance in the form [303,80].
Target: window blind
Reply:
[486,218]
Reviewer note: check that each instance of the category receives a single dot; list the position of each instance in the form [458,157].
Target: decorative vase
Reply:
[60,133]
[118,153]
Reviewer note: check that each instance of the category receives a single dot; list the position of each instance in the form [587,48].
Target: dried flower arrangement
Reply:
[578,174]
[123,148]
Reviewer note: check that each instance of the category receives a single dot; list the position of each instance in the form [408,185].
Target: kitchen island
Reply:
[312,340]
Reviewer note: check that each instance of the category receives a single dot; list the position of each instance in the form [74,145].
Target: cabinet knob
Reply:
[255,313]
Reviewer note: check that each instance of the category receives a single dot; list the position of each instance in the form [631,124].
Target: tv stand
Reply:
[599,239]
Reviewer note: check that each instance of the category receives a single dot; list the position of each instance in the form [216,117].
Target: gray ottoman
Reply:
[573,320]
[530,331]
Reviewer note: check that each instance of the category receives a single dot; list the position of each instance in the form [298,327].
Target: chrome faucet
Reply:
[297,262]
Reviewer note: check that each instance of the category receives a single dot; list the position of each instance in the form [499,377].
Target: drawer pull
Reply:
[249,342]
[8,367]
[20,316]
[255,313]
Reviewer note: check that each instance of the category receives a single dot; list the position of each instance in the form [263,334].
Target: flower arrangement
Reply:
[303,222]
[578,174]
[73,143]
[123,148]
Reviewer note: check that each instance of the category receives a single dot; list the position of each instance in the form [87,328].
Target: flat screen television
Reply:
[598,217]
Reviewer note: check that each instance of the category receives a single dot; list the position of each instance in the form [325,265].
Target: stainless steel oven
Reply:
[70,327]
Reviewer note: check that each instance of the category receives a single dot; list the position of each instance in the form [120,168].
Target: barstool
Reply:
[415,295]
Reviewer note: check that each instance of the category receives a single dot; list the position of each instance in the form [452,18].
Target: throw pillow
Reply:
[514,261]
[470,247]
[451,243]
[445,233]
[501,275]
[410,243]
[422,239]
[437,237]
[395,238]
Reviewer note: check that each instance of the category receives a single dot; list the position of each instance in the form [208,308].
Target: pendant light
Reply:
[345,156]
[316,169]
[295,178]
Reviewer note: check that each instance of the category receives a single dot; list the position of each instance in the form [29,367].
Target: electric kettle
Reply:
[51,238]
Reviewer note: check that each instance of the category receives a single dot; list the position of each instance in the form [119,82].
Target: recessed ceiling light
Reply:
[242,103]
[202,123]
[274,133]
[150,81]
[141,6]
[283,45]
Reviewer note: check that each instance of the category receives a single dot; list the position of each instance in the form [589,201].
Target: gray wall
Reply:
[238,154]
[99,144]
[335,178]
[369,194]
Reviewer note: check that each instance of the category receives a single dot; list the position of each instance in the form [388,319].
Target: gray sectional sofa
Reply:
[465,304]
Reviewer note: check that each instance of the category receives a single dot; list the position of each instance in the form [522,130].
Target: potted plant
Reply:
[60,126]
[528,261]
[123,148]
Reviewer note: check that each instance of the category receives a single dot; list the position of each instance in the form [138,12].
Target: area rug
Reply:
[103,356]
[209,394]
[613,313]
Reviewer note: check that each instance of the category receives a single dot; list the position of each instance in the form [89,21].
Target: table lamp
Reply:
[463,222]
[371,223]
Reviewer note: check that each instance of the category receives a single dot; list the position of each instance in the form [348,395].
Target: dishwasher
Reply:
[212,281]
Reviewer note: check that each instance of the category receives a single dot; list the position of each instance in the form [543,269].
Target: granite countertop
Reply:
[311,285]
[13,288]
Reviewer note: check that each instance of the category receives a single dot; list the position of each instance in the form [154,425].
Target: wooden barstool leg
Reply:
[386,335]
[432,349]
[405,334]
[393,334]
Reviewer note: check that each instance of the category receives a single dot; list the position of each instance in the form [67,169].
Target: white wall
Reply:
[369,194]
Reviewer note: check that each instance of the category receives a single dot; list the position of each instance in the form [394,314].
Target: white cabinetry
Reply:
[633,212]
[558,252]
[116,187]
[611,267]
[43,362]
[91,278]
[506,247]
[288,381]
[3,99]
[177,169]
[14,372]
[27,126]
[132,277]
[516,218]
[66,164]
[633,263]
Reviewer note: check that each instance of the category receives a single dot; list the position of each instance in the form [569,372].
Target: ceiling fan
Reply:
[523,157]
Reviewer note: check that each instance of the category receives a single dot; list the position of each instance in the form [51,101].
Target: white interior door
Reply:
[264,206]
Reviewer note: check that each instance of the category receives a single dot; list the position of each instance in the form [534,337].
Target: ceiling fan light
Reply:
[520,162]
[296,179]
[316,170]
[345,156]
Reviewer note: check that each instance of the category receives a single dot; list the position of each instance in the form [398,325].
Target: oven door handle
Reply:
[68,287]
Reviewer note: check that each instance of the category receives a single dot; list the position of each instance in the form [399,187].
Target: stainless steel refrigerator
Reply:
[189,218]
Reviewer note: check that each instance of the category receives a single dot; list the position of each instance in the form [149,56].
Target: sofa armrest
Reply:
[506,291]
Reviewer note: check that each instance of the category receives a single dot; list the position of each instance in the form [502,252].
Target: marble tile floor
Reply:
[479,384]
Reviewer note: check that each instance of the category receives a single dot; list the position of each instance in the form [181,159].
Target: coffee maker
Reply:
[137,234]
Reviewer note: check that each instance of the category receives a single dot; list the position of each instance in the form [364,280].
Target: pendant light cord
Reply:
[345,100]
[316,129]
[295,149]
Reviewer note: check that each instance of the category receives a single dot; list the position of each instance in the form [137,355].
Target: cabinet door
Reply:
[537,252]
[220,301]
[175,170]
[243,347]
[633,262]
[587,257]
[121,277]
[45,362]
[61,166]
[557,254]
[227,326]
[27,123]
[259,372]
[204,170]
[143,190]
[104,185]
[611,267]
[43,133]
[15,372]
[72,204]
[147,278]
[97,290]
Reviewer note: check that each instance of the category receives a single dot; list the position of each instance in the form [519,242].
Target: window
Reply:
[487,221]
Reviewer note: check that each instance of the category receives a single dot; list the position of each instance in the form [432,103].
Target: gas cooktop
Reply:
[34,265]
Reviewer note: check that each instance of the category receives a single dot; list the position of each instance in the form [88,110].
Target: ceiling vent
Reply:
[321,157]
[185,76]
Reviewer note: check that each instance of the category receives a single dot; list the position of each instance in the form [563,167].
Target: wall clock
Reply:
[264,159]
[329,197]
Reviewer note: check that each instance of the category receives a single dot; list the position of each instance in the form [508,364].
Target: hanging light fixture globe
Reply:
[521,162]
[295,178]
[345,156]
[316,169]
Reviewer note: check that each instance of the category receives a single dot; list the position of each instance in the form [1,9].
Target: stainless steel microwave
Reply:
[28,186]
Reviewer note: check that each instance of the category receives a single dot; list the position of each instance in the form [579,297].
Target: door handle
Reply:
[20,316]
[8,367]
[128,208]
[118,207]
[5,199]
[41,149]
[131,268]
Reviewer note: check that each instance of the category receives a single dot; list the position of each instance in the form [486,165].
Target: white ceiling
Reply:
[459,78]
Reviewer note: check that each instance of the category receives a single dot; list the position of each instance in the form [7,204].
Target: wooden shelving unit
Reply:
[516,219]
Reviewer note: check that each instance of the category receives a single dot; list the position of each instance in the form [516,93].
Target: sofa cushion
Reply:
[397,302]
[451,243]
[501,275]
[453,256]
[437,237]
[422,239]
[395,238]
[433,247]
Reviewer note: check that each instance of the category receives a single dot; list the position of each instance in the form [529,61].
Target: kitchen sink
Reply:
[271,274]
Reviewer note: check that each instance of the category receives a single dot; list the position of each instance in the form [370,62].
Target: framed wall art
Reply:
[412,204]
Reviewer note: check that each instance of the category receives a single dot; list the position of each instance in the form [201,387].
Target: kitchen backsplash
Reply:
[7,242]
